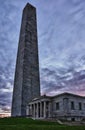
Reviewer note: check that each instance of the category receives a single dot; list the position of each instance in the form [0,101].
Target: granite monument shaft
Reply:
[27,81]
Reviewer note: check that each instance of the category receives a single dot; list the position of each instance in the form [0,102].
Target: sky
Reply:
[61,43]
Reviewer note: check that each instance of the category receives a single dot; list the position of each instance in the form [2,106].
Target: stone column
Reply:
[34,110]
[49,109]
[27,110]
[40,109]
[44,109]
[37,111]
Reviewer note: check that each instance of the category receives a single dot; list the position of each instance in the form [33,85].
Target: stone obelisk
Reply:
[27,81]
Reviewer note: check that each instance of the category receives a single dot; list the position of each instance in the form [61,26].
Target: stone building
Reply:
[65,106]
[27,81]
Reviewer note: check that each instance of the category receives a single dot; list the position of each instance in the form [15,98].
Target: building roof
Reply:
[68,94]
[51,97]
[41,97]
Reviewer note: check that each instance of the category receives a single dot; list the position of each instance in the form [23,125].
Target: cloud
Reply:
[62,47]
[62,80]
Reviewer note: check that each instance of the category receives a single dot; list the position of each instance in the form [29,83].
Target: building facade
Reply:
[64,106]
[27,81]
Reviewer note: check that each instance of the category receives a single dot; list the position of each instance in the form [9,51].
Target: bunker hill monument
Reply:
[26,95]
[27,81]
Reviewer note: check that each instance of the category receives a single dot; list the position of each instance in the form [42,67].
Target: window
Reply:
[73,119]
[72,105]
[84,106]
[57,106]
[80,106]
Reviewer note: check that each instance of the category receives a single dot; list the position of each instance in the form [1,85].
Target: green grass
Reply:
[29,124]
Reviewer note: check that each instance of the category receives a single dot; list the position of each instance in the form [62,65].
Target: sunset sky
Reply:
[61,42]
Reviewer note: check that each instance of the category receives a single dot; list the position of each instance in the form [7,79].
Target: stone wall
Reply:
[65,109]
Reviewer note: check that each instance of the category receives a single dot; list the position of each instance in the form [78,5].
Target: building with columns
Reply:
[65,106]
[40,107]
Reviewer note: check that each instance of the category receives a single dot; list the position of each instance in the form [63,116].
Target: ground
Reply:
[29,124]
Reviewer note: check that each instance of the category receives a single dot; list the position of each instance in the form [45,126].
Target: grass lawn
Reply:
[29,124]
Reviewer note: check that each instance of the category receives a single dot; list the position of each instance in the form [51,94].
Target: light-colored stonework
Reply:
[64,106]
